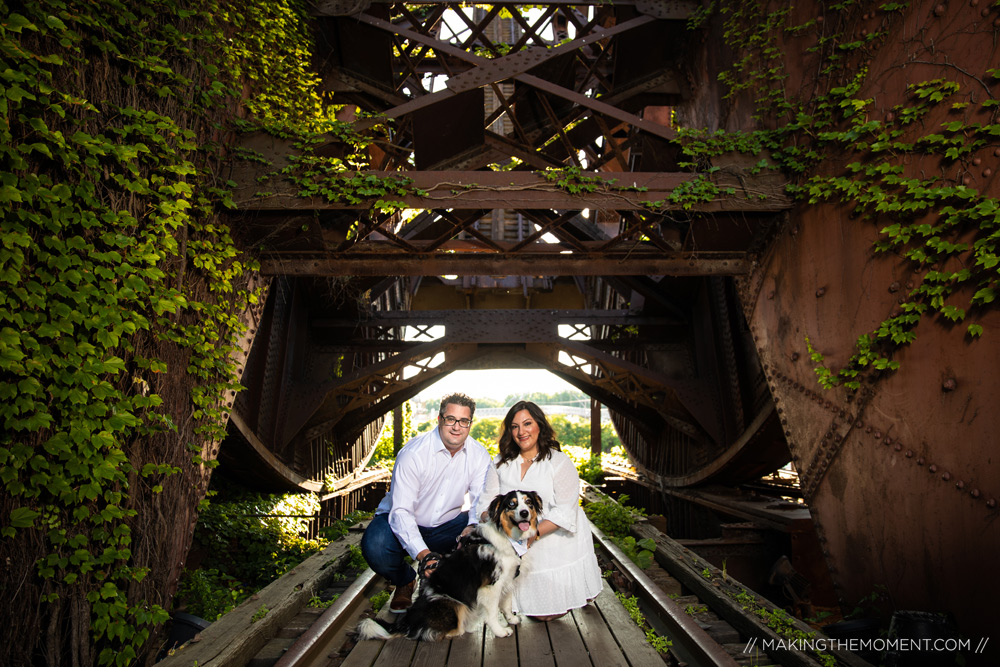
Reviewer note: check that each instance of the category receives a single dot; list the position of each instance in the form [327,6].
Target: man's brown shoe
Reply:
[402,598]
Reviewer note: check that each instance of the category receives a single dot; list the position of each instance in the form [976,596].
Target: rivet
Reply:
[949,384]
[820,292]
[920,461]
[795,356]
[932,468]
[991,503]
[987,172]
[888,440]
[959,485]
[826,552]
[909,453]
[828,405]
[878,435]
[946,476]
[939,10]
[838,437]
[974,493]
[858,424]
[894,286]
[898,447]
[770,295]
[868,429]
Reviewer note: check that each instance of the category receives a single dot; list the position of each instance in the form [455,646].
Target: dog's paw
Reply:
[502,632]
[512,619]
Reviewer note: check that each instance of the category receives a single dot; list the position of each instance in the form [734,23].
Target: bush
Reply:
[248,540]
[209,594]
[613,518]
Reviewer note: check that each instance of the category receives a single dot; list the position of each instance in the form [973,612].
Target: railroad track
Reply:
[709,623]
[733,624]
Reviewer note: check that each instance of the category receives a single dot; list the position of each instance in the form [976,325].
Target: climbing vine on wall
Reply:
[910,178]
[120,295]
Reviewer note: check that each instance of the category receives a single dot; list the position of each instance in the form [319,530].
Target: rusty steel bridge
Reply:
[685,318]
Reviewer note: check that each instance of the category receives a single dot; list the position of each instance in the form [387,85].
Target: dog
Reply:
[472,583]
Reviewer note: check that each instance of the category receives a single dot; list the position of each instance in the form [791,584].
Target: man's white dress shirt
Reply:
[429,486]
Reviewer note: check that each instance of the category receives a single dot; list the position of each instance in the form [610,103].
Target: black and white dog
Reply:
[472,583]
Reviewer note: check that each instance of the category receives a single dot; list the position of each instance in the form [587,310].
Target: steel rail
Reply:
[313,641]
[691,642]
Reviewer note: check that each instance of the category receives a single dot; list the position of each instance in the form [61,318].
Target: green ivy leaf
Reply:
[23,517]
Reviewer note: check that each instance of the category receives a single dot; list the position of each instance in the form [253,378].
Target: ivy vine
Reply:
[947,229]
[121,291]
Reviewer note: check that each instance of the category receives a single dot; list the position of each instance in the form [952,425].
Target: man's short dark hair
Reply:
[457,399]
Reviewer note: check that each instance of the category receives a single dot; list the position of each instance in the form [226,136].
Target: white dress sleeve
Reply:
[566,491]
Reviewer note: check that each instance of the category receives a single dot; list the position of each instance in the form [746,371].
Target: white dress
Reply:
[560,571]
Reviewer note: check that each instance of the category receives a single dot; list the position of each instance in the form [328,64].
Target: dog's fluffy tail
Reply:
[373,628]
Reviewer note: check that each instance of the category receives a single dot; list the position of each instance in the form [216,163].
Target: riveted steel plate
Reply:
[339,7]
[499,69]
[666,9]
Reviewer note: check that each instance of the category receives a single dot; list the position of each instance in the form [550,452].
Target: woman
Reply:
[559,571]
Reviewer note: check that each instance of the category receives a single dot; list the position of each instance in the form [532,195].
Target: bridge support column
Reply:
[595,427]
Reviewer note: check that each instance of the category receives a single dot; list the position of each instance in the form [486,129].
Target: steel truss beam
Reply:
[653,192]
[399,263]
[533,334]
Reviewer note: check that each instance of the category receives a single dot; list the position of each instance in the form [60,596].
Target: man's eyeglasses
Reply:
[451,421]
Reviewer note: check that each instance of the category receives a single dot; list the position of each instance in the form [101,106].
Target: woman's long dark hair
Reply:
[546,436]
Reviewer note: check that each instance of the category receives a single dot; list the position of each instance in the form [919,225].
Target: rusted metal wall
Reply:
[902,477]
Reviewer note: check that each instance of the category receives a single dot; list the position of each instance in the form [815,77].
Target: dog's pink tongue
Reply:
[524,526]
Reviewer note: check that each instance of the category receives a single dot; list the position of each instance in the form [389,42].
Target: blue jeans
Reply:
[384,553]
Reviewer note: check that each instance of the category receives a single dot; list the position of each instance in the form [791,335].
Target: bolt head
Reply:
[932,468]
[946,476]
[959,485]
[820,292]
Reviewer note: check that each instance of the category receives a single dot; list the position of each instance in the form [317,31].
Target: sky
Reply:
[496,383]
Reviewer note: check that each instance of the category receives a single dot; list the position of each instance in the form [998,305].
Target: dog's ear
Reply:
[495,506]
[537,499]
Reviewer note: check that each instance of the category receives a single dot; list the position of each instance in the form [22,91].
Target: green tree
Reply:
[384,445]
[487,431]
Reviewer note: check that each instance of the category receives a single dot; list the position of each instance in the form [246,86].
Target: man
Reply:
[423,511]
